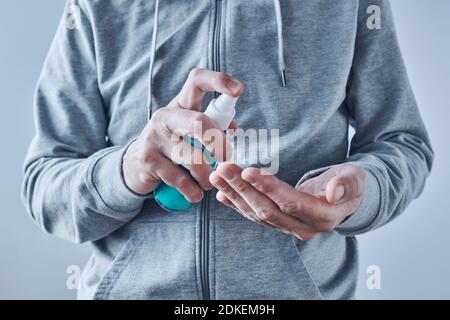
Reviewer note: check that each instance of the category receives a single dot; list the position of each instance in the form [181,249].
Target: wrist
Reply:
[136,179]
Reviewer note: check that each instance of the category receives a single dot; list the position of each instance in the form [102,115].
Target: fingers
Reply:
[176,177]
[255,204]
[180,122]
[201,173]
[186,122]
[199,82]
[288,199]
[221,197]
[229,175]
[347,185]
[233,125]
[314,212]
[282,206]
[191,158]
[226,191]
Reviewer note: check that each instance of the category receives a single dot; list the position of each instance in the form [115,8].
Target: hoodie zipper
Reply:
[204,214]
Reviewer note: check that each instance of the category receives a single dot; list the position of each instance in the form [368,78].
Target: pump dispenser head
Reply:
[222,110]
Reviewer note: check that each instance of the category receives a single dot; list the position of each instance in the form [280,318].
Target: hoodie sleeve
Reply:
[73,185]
[391,142]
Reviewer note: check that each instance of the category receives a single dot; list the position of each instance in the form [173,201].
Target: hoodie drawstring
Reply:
[152,60]
[281,63]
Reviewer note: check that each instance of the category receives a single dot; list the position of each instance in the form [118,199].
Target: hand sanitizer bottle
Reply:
[222,111]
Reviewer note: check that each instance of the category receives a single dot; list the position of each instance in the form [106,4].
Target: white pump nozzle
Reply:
[222,110]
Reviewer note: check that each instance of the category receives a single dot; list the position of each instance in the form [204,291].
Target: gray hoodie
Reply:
[311,69]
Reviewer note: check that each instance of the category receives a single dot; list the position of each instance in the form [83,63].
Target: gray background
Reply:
[412,252]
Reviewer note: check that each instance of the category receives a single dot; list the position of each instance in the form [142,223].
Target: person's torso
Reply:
[211,251]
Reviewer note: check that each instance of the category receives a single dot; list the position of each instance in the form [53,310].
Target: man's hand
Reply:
[151,157]
[317,205]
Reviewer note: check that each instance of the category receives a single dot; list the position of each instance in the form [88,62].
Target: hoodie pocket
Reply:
[118,265]
[305,270]
[256,262]
[157,262]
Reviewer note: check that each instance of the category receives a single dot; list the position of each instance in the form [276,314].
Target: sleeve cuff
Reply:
[108,181]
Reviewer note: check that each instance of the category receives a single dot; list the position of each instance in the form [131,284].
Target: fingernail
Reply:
[340,191]
[234,85]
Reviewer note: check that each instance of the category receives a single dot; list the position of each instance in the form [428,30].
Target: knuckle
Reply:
[232,195]
[151,133]
[203,180]
[222,77]
[241,187]
[146,179]
[263,187]
[229,191]
[181,181]
[194,73]
[265,214]
[199,117]
[288,207]
[226,189]
[158,113]
[146,157]
[158,116]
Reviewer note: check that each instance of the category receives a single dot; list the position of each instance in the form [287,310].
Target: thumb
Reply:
[346,186]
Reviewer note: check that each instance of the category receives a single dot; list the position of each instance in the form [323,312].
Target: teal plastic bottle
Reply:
[222,111]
